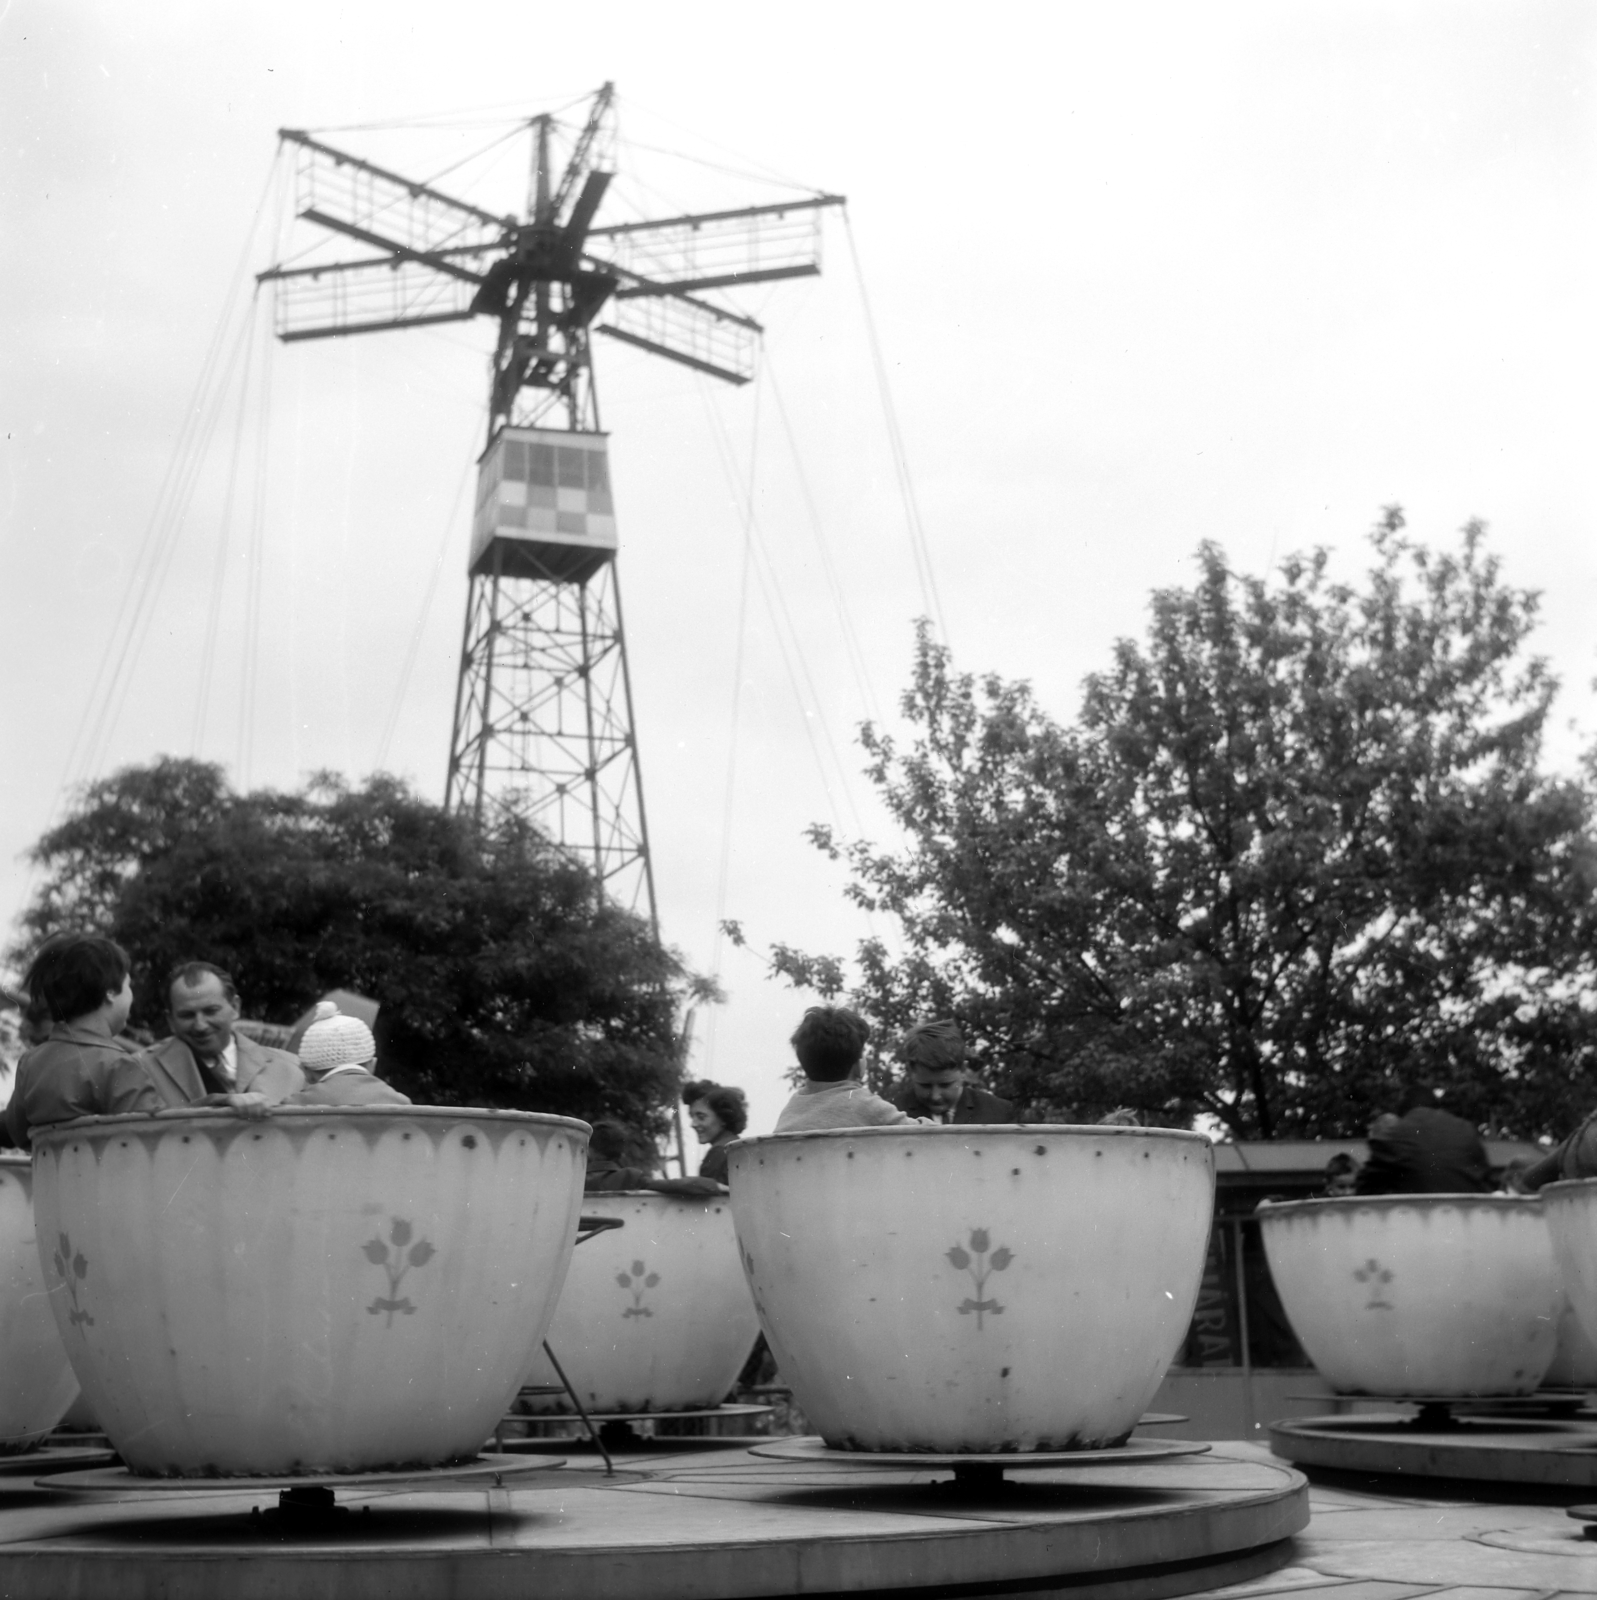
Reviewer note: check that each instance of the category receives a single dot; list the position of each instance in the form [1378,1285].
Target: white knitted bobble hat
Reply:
[334,1040]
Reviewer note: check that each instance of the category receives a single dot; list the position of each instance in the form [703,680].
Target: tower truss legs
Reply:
[544,727]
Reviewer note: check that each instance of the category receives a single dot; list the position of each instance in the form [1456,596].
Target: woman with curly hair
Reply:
[718,1114]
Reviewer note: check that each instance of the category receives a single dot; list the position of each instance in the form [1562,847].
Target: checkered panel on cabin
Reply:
[545,486]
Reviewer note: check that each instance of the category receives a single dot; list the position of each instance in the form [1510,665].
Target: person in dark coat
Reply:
[1424,1151]
[615,1166]
[936,1083]
[719,1115]
[1574,1156]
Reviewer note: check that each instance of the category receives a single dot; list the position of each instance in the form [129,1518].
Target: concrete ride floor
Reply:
[1379,1537]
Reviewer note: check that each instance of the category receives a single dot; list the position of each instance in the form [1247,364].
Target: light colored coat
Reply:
[817,1107]
[273,1073]
[357,1088]
[77,1073]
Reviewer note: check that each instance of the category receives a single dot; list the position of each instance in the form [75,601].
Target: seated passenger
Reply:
[936,1083]
[1574,1156]
[829,1043]
[205,1062]
[718,1115]
[615,1163]
[82,1069]
[1425,1151]
[339,1056]
[1341,1176]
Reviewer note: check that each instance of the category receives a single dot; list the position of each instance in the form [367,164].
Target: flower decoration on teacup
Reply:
[72,1268]
[396,1260]
[980,1265]
[635,1282]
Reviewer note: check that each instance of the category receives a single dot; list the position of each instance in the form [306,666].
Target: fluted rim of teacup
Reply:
[964,1130]
[134,1121]
[1392,1202]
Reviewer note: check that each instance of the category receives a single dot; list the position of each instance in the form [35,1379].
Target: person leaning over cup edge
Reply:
[206,1062]
[829,1043]
[610,1170]
[936,1081]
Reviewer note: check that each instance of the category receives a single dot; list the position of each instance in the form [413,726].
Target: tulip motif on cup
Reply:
[981,1266]
[1377,1277]
[635,1282]
[72,1270]
[396,1261]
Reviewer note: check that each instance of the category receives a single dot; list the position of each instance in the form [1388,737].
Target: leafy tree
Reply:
[1294,860]
[504,979]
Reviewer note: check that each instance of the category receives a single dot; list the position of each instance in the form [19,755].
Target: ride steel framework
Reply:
[543,722]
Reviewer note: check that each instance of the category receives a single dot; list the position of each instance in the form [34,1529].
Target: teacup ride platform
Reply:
[1547,1439]
[1434,1318]
[715,1525]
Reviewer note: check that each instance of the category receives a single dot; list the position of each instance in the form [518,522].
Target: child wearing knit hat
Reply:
[338,1054]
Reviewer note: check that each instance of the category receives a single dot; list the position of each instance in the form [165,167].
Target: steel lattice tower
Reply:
[543,725]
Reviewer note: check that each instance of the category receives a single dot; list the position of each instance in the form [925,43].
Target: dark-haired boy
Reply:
[936,1084]
[83,1068]
[829,1043]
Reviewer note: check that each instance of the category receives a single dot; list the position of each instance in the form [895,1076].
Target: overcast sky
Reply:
[1143,275]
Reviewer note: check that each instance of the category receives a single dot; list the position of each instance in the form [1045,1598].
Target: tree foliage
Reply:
[1294,858]
[504,979]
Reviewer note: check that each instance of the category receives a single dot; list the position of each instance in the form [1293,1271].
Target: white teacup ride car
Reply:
[1431,1296]
[37,1384]
[323,1292]
[655,1316]
[1571,1209]
[1003,1295]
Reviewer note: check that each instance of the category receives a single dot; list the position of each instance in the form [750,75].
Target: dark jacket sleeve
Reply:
[1573,1157]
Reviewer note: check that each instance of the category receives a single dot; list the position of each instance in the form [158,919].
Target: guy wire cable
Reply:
[789,642]
[917,534]
[851,643]
[445,544]
[249,708]
[724,867]
[97,720]
[213,615]
[156,560]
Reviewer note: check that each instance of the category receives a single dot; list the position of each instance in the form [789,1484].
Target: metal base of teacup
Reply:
[1438,1411]
[1479,1439]
[50,1458]
[304,1498]
[976,1470]
[617,1430]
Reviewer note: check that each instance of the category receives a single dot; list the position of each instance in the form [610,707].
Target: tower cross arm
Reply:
[416,191]
[700,218]
[439,260]
[634,286]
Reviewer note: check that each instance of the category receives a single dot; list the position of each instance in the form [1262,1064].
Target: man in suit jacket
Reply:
[935,1081]
[205,1055]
